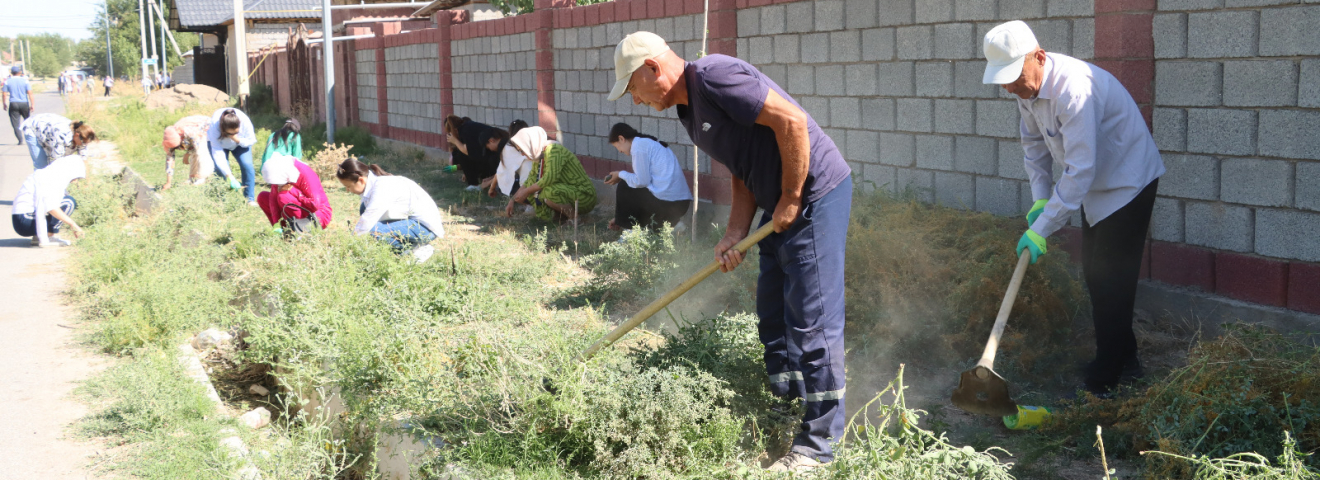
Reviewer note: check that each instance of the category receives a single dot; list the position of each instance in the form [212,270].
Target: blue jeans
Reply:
[25,224]
[244,157]
[799,300]
[39,157]
[401,234]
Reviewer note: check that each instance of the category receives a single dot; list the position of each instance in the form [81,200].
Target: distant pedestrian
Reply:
[17,99]
[147,84]
[285,141]
[656,191]
[109,82]
[43,205]
[63,83]
[295,193]
[169,81]
[394,209]
[557,187]
[231,133]
[50,136]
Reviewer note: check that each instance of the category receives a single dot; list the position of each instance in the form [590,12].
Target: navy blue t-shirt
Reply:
[725,95]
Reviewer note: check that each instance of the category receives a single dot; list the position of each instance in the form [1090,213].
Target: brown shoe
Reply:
[794,462]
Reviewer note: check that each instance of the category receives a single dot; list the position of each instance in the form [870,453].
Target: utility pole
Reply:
[164,30]
[328,60]
[109,54]
[240,53]
[142,37]
[151,39]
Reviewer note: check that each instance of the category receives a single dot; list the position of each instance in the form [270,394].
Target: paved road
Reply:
[40,364]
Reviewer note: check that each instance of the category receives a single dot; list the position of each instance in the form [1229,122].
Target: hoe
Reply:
[981,390]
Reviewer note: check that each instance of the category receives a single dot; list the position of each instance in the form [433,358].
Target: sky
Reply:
[70,18]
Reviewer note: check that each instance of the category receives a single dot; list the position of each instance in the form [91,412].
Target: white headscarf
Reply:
[49,185]
[533,141]
[279,169]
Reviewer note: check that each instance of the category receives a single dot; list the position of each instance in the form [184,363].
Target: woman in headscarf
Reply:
[394,209]
[232,132]
[43,205]
[49,136]
[468,151]
[189,134]
[287,141]
[557,186]
[513,166]
[293,182]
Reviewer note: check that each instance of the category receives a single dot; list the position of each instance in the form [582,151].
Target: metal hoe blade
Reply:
[982,391]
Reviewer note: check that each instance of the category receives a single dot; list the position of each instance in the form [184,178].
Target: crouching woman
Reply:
[557,186]
[43,206]
[295,193]
[394,209]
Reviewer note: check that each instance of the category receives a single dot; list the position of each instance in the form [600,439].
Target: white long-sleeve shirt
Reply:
[656,169]
[392,197]
[513,166]
[246,137]
[1084,118]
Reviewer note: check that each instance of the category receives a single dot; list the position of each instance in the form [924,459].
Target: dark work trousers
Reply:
[638,206]
[18,112]
[799,300]
[25,224]
[1111,263]
[476,167]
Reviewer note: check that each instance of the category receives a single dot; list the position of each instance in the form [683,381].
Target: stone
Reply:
[1221,34]
[801,80]
[845,112]
[913,114]
[773,21]
[973,10]
[967,81]
[934,11]
[878,177]
[1219,225]
[801,17]
[786,49]
[1290,31]
[914,43]
[255,419]
[845,46]
[211,338]
[860,80]
[1260,83]
[878,44]
[894,79]
[936,79]
[934,152]
[1222,131]
[1190,176]
[863,146]
[1021,9]
[878,113]
[258,390]
[1255,181]
[830,80]
[860,13]
[1187,83]
[1290,133]
[1288,234]
[997,118]
[998,196]
[829,15]
[976,155]
[1170,129]
[955,116]
[1083,33]
[1308,186]
[1308,92]
[1012,163]
[895,12]
[1070,8]
[816,48]
[1166,220]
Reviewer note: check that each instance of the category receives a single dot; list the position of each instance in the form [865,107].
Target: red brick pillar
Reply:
[1125,46]
[543,25]
[382,97]
[445,22]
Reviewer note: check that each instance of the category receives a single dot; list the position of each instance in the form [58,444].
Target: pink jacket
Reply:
[306,192]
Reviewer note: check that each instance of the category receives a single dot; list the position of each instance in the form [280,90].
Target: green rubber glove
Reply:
[1036,208]
[1036,243]
[450,169]
[233,184]
[277,230]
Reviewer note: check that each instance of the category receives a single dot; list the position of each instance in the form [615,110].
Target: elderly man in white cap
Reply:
[1079,115]
[783,163]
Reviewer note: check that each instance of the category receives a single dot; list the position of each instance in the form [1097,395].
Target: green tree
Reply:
[519,7]
[125,40]
[50,53]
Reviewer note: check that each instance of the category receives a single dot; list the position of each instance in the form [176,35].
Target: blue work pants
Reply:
[799,300]
[244,157]
[401,234]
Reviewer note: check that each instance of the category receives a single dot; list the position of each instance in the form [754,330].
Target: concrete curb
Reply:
[146,198]
[192,365]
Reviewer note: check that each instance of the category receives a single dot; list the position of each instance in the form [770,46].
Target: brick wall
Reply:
[494,78]
[1230,87]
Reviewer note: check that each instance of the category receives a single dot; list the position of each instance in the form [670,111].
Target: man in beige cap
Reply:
[1079,115]
[783,163]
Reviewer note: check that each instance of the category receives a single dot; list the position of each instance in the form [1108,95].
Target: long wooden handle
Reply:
[988,357]
[678,291]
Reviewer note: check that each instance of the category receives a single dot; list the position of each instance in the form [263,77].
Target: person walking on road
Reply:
[189,134]
[16,96]
[785,164]
[656,191]
[43,205]
[231,133]
[1077,114]
[394,209]
[109,82]
[49,136]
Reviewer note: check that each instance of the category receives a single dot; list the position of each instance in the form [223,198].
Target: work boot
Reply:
[794,462]
[1102,380]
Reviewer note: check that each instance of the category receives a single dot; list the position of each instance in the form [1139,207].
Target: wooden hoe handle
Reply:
[678,291]
[991,345]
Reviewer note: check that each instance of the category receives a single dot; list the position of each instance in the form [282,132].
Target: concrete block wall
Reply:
[366,86]
[584,75]
[1235,113]
[413,85]
[898,87]
[494,78]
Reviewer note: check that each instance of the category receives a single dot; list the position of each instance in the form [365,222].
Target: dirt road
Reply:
[40,364]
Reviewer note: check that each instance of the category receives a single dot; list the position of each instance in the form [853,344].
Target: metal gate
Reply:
[210,68]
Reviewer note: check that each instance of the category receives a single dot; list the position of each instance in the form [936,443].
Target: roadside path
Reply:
[40,361]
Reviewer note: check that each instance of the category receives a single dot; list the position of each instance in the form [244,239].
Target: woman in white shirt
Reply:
[656,191]
[42,205]
[394,209]
[232,132]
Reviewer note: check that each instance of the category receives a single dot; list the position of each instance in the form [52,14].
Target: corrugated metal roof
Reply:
[206,13]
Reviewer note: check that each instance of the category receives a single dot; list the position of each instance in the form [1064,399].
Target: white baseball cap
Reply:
[1006,46]
[629,55]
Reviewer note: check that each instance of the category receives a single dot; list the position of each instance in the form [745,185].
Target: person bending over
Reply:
[43,205]
[557,186]
[466,139]
[394,209]
[656,191]
[231,133]
[49,136]
[189,134]
[295,192]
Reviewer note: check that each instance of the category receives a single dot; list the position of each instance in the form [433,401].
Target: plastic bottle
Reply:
[1027,418]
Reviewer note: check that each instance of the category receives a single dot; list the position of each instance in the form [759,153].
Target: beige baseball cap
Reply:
[1006,46]
[629,55]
